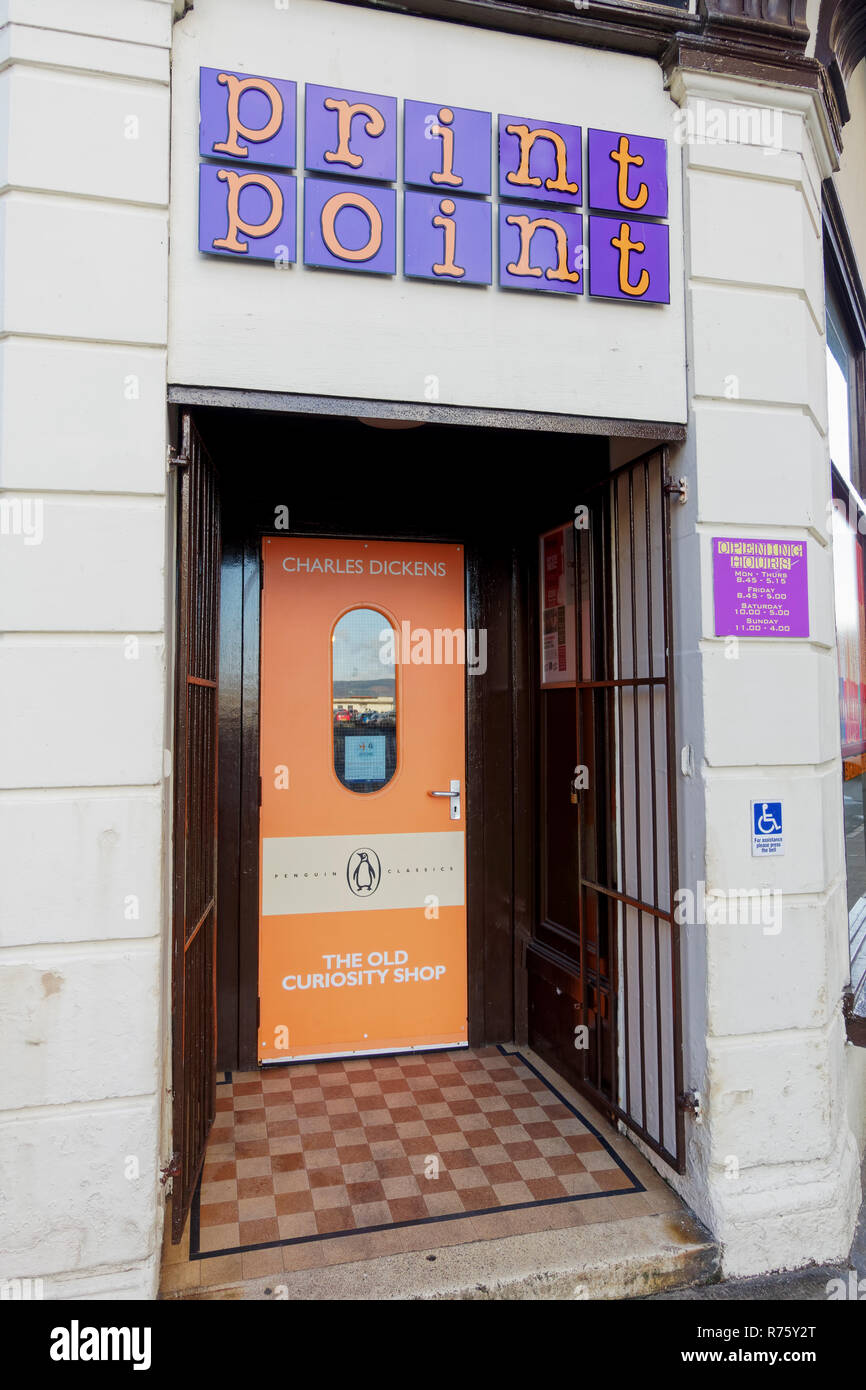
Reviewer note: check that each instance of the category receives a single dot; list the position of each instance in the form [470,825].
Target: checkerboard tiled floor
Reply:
[320,1163]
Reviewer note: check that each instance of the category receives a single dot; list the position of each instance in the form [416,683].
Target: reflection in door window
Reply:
[364,693]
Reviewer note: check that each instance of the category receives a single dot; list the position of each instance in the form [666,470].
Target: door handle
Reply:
[454,797]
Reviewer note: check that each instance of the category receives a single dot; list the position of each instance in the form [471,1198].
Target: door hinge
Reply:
[258,1012]
[679,489]
[691,1101]
[171,1169]
[260,789]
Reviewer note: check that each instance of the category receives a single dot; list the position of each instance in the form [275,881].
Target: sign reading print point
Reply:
[352,225]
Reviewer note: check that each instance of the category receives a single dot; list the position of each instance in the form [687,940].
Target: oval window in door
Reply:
[364,699]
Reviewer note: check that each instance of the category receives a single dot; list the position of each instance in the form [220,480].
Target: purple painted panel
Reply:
[252,119]
[627,173]
[546,257]
[350,226]
[247,213]
[539,160]
[629,260]
[446,147]
[761,588]
[359,143]
[447,238]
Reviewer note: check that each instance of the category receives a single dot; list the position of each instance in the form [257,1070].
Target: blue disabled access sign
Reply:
[767,834]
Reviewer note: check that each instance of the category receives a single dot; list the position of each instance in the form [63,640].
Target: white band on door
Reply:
[344,873]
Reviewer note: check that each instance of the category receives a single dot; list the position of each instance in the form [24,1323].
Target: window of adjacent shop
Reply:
[846,379]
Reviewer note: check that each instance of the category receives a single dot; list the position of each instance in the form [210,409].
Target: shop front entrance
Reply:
[362,938]
[446,809]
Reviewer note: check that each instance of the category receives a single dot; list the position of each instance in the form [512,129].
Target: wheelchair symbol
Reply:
[766,823]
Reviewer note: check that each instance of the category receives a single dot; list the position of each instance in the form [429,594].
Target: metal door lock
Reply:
[454,797]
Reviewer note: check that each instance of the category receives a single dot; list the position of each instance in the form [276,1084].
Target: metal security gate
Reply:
[627,844]
[195,804]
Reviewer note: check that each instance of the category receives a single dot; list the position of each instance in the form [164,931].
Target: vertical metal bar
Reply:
[610,792]
[651,698]
[638,844]
[619,812]
[578,544]
[676,988]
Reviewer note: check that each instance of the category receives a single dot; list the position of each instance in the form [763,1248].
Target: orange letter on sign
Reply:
[625,246]
[527,139]
[622,157]
[449,226]
[528,227]
[345,114]
[446,116]
[235,181]
[329,231]
[237,86]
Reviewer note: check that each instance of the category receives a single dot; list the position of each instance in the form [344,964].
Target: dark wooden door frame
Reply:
[502,757]
[194,873]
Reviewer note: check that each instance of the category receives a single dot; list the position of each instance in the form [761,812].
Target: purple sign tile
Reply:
[540,249]
[247,213]
[629,260]
[252,119]
[627,173]
[351,134]
[350,226]
[446,147]
[540,160]
[447,238]
[761,588]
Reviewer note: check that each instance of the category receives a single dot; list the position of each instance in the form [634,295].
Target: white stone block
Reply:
[25,43]
[79,1027]
[757,346]
[774,705]
[783,1218]
[99,567]
[51,394]
[760,465]
[771,972]
[812,826]
[749,232]
[73,1206]
[774,1098]
[83,269]
[79,714]
[98,137]
[106,867]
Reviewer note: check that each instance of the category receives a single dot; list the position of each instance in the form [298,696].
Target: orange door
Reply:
[362,929]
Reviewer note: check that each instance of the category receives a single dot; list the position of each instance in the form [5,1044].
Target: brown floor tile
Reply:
[259,1232]
[335,1219]
[218,1214]
[255,1186]
[290,1203]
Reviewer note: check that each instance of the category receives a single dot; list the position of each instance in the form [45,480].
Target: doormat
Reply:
[314,1152]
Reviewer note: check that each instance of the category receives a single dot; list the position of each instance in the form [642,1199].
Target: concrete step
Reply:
[606,1260]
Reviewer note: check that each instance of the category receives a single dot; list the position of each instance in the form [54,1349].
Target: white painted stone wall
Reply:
[84,98]
[773,1168]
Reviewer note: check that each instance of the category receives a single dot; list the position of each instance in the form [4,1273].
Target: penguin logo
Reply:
[363,872]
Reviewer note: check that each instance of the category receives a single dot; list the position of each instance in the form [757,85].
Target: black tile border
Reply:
[637,1186]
